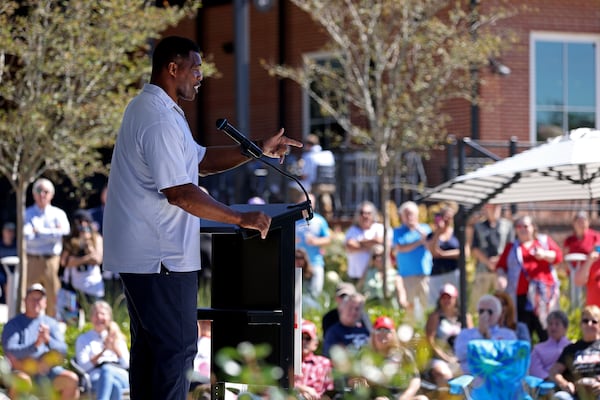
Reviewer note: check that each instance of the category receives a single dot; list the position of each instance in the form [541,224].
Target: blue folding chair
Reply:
[498,371]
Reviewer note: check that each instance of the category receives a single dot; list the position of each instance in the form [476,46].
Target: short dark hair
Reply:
[171,48]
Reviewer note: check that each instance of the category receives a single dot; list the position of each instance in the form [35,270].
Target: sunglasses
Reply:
[485,310]
[384,330]
[587,321]
[365,212]
[40,191]
[306,338]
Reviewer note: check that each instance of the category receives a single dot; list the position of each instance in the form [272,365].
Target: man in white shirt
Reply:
[44,228]
[151,218]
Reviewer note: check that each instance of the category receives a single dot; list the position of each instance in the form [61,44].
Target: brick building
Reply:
[553,79]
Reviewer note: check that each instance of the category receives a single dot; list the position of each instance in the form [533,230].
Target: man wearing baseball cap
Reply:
[34,336]
[316,377]
[331,317]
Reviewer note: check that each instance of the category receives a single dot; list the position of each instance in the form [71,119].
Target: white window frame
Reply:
[536,36]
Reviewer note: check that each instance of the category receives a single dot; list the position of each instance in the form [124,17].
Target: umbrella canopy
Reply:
[564,168]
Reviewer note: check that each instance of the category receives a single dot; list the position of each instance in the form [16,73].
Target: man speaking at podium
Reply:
[151,219]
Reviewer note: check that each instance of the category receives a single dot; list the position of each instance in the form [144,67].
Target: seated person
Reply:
[508,318]
[545,354]
[399,378]
[332,316]
[441,329]
[316,376]
[102,352]
[349,332]
[35,346]
[489,309]
[577,369]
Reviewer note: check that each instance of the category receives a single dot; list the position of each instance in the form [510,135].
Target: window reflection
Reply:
[565,86]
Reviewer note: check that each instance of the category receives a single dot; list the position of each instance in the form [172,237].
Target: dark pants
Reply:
[529,318]
[164,333]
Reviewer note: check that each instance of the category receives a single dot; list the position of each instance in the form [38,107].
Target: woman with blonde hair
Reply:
[102,352]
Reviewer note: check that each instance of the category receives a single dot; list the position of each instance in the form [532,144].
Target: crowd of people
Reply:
[514,295]
[149,236]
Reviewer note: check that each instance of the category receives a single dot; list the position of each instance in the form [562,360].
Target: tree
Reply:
[394,65]
[67,70]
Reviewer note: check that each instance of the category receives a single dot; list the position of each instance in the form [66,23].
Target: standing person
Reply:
[349,332]
[316,376]
[44,228]
[583,240]
[31,341]
[151,219]
[445,250]
[102,352]
[313,237]
[577,369]
[315,159]
[82,256]
[8,247]
[413,259]
[490,236]
[588,275]
[97,213]
[364,233]
[530,276]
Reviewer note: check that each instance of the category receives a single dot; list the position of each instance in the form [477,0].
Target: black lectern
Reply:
[252,285]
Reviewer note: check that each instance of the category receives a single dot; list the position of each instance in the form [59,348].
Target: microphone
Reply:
[249,148]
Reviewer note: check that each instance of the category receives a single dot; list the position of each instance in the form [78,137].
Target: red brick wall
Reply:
[504,111]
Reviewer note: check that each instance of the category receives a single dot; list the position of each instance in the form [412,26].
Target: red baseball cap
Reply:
[309,328]
[384,322]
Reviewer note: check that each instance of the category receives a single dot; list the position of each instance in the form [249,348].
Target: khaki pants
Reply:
[44,270]
[417,288]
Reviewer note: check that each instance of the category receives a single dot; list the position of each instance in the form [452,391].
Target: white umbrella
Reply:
[564,168]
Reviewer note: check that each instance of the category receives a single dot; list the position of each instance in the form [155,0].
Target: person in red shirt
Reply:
[583,239]
[585,271]
[317,377]
[530,275]
[588,275]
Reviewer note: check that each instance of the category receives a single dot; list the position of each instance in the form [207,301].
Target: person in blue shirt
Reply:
[35,345]
[413,259]
[349,333]
[312,237]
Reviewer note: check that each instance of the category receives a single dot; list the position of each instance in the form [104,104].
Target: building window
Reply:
[564,83]
[316,119]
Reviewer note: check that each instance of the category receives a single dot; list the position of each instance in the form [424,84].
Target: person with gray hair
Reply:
[413,258]
[43,230]
[489,309]
[545,354]
[365,232]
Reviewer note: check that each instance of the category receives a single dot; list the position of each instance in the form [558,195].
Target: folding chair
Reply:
[498,371]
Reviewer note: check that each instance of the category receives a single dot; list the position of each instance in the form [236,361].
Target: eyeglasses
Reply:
[487,310]
[42,190]
[587,321]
